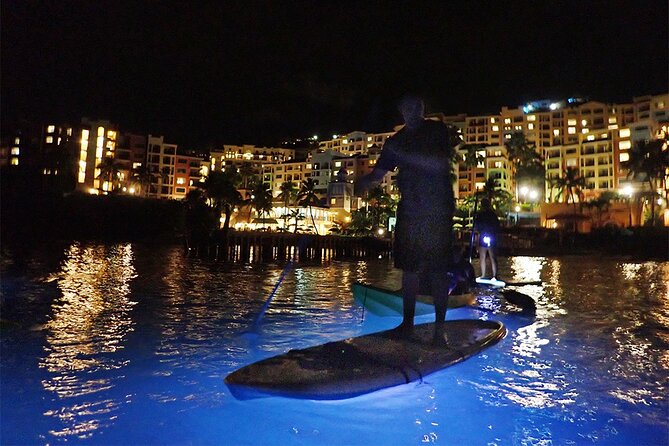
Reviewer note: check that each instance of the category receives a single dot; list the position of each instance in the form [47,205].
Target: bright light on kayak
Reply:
[487,240]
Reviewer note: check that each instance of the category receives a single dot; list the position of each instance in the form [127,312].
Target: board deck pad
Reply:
[386,302]
[492,282]
[356,366]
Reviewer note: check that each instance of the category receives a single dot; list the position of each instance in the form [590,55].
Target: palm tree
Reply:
[499,198]
[472,157]
[110,170]
[287,196]
[308,197]
[200,218]
[141,176]
[382,205]
[296,215]
[222,194]
[649,161]
[261,198]
[600,206]
[571,185]
[248,173]
[526,164]
[361,223]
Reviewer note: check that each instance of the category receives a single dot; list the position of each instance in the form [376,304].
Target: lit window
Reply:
[507,120]
[571,122]
[181,181]
[15,151]
[625,145]
[590,137]
[69,131]
[612,120]
[337,163]
[585,130]
[101,131]
[495,128]
[584,122]
[49,139]
[624,157]
[660,104]
[571,130]
[518,127]
[556,132]
[333,201]
[51,129]
[624,133]
[531,117]
[493,120]
[345,141]
[15,161]
[530,126]
[17,140]
[507,136]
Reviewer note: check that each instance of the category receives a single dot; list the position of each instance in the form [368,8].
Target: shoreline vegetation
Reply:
[27,220]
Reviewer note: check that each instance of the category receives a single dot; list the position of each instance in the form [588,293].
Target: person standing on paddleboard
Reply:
[487,225]
[423,151]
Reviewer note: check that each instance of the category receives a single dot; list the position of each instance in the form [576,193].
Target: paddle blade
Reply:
[519,299]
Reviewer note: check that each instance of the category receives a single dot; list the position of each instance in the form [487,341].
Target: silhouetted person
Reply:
[423,151]
[487,225]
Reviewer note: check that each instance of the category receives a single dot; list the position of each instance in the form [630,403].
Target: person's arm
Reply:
[368,181]
[433,162]
[437,162]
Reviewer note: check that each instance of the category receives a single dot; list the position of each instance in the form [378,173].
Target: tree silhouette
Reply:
[307,197]
[648,162]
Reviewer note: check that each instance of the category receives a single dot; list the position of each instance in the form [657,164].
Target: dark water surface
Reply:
[129,344]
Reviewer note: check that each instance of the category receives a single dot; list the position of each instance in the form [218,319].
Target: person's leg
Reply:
[440,285]
[493,261]
[482,260]
[410,285]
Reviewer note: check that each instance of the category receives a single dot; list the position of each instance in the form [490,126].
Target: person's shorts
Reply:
[424,243]
[491,242]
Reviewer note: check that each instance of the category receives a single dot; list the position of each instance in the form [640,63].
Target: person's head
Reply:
[412,109]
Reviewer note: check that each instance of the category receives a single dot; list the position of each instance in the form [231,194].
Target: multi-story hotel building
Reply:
[174,174]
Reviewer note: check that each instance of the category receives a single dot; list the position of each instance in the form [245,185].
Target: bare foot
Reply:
[440,339]
[402,331]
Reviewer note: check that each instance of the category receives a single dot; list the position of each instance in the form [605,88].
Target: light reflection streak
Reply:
[88,327]
[527,268]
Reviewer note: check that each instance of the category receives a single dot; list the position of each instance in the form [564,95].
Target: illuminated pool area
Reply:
[129,344]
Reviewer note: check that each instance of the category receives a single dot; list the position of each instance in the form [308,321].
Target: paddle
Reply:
[520,299]
[471,240]
[529,282]
[286,269]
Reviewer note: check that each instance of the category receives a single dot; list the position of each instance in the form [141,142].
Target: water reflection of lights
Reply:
[89,323]
[630,270]
[527,268]
[527,342]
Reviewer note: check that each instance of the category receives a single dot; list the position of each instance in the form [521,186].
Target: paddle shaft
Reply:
[286,270]
[471,240]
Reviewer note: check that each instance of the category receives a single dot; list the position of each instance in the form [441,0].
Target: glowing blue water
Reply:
[129,344]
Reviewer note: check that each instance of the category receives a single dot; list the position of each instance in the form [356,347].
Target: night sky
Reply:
[204,73]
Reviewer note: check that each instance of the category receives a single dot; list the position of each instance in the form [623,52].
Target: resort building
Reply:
[173,173]
[97,142]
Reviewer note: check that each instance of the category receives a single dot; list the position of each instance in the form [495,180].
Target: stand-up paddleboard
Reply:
[355,366]
[491,282]
[385,302]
